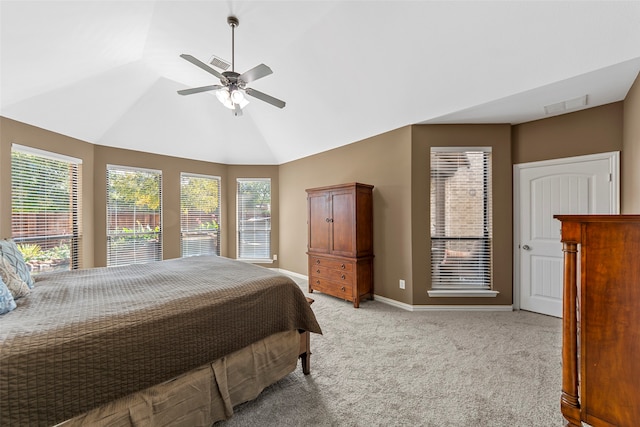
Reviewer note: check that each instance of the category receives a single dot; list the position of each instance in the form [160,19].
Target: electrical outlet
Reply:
[401,283]
[275,257]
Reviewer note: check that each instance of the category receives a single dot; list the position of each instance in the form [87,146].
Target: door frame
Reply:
[614,165]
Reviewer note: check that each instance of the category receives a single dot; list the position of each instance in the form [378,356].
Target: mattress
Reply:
[87,337]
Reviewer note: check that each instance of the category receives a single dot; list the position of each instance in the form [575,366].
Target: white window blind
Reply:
[461,227]
[199,215]
[46,220]
[134,215]
[254,219]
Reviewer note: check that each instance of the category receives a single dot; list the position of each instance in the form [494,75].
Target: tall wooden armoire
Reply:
[340,241]
[601,320]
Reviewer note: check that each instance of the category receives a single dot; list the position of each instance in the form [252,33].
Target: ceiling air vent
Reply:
[219,63]
[564,106]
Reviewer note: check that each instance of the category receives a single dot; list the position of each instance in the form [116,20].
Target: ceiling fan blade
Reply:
[201,64]
[266,98]
[257,72]
[199,89]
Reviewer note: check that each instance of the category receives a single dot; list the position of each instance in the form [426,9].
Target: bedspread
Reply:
[86,337]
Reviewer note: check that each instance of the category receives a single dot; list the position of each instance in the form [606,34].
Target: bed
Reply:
[149,344]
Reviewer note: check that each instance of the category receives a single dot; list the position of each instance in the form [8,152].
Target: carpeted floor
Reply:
[383,366]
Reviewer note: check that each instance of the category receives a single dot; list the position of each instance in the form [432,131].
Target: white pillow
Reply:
[9,250]
[7,302]
[12,280]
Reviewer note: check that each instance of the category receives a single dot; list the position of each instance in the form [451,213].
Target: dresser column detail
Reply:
[569,400]
[601,320]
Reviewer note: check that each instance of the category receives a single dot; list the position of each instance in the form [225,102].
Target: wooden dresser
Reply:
[601,320]
[340,241]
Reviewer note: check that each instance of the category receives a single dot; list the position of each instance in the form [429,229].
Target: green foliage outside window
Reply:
[31,193]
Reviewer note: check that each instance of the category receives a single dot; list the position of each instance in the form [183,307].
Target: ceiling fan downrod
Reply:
[233,23]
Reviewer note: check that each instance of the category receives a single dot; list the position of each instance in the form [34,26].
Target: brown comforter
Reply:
[86,337]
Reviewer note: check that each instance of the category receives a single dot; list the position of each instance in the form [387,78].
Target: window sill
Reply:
[256,261]
[462,293]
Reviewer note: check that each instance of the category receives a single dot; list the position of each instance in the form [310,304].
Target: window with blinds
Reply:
[199,215]
[46,208]
[134,215]
[254,219]
[461,218]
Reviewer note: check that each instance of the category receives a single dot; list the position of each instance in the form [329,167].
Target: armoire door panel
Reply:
[319,225]
[343,219]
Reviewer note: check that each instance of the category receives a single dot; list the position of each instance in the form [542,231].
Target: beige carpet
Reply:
[383,366]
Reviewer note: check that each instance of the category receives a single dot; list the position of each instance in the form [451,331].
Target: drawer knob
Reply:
[343,289]
[318,271]
[343,266]
[317,261]
[317,282]
[343,277]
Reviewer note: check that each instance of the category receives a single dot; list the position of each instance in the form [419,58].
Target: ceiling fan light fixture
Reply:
[230,99]
[238,98]
[224,97]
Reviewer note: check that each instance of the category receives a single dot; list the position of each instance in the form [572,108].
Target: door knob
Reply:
[526,247]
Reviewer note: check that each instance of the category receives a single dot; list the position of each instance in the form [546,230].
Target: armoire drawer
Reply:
[335,264]
[337,289]
[333,275]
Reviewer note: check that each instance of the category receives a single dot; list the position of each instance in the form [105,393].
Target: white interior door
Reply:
[578,185]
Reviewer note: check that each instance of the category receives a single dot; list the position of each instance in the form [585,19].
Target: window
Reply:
[199,215]
[134,215]
[461,218]
[254,219]
[46,208]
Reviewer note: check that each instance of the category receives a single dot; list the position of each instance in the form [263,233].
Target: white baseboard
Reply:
[434,307]
[291,273]
[410,307]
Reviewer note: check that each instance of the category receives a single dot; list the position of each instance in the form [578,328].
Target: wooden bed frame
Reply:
[305,348]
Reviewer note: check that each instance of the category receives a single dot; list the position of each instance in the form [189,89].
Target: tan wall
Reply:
[631,151]
[12,131]
[383,161]
[595,130]
[171,167]
[499,138]
[95,159]
[394,162]
[233,173]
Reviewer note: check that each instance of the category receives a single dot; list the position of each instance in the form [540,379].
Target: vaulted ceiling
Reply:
[107,72]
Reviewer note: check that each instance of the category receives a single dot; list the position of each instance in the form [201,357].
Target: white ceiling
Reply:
[107,72]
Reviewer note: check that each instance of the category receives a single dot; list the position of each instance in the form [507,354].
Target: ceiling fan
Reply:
[233,86]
